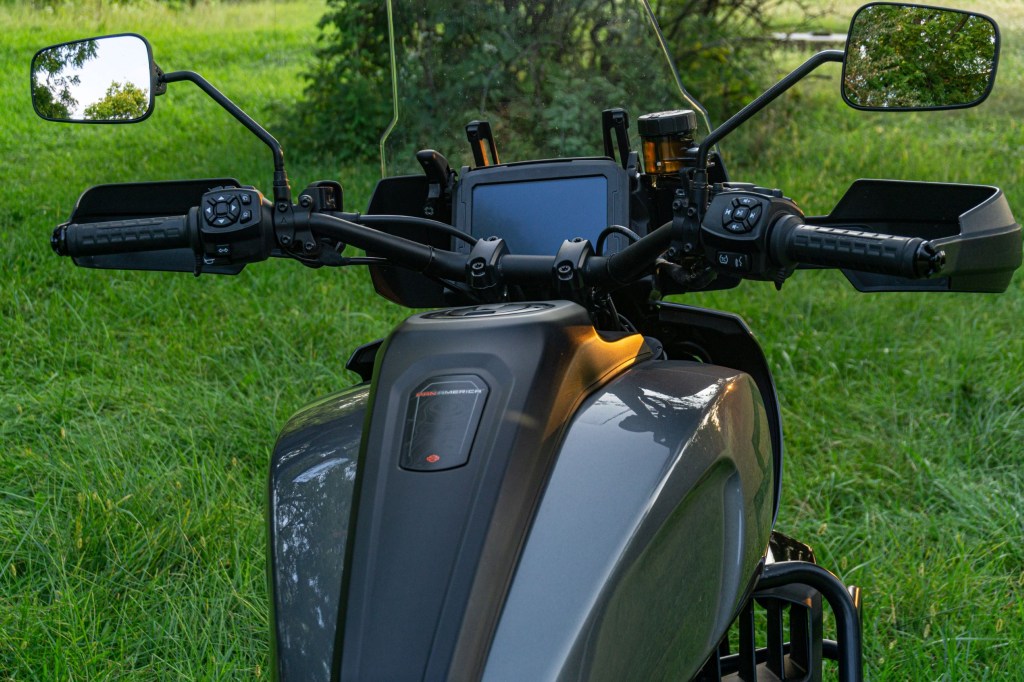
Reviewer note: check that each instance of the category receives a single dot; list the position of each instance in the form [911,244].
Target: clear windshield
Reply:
[540,73]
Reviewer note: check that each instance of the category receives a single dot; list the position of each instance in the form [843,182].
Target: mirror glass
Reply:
[901,57]
[95,81]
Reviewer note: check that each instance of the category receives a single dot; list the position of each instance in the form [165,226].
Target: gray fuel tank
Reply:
[653,522]
[654,514]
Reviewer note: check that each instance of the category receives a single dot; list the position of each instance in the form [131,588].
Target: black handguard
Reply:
[122,236]
[794,243]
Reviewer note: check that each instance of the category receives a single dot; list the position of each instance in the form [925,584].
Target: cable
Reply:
[370,220]
[614,229]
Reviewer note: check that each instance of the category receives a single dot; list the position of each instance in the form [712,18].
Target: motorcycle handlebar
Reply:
[793,242]
[121,236]
[790,243]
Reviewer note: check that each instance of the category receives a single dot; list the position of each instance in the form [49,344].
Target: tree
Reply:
[123,102]
[540,72]
[53,77]
[907,57]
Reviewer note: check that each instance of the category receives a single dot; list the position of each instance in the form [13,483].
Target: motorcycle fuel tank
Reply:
[530,500]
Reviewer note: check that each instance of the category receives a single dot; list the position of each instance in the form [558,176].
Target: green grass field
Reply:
[137,410]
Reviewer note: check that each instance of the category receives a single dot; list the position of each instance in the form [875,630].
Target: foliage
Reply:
[53,77]
[122,102]
[539,72]
[137,409]
[910,57]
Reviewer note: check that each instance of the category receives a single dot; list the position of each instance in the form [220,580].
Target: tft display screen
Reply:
[534,217]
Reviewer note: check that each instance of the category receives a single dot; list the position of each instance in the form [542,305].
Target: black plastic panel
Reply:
[433,553]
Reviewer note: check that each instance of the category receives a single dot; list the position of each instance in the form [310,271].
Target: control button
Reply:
[738,228]
[233,209]
[246,216]
[753,216]
[209,213]
[734,261]
[749,202]
[221,199]
[246,199]
[222,221]
[727,215]
[740,213]
[222,250]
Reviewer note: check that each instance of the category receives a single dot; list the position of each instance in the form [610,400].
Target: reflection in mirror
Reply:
[909,57]
[97,80]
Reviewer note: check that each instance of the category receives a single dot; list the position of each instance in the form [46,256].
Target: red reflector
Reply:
[433,458]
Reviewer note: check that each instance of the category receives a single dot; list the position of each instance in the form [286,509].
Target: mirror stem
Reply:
[282,192]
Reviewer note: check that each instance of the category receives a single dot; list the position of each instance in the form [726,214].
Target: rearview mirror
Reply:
[903,57]
[100,80]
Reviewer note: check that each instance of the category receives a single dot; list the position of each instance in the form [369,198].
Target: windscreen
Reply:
[540,73]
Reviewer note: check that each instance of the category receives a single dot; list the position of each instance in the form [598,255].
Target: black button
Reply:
[754,216]
[749,202]
[209,213]
[740,213]
[727,216]
[233,209]
[734,261]
[223,221]
[246,199]
[738,228]
[246,216]
[223,249]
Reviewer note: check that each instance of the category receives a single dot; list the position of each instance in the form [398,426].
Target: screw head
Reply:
[309,246]
[286,240]
[305,201]
[428,211]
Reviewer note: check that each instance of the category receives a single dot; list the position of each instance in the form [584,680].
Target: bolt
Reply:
[428,211]
[477,265]
[671,253]
[687,247]
[691,211]
[282,207]
[677,204]
[305,201]
[286,240]
[564,269]
[309,246]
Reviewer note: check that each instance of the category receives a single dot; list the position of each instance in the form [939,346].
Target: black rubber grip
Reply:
[121,236]
[886,254]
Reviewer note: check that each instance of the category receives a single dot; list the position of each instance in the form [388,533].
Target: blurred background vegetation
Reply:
[137,410]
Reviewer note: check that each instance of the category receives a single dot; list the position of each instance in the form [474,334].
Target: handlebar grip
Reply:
[121,236]
[887,254]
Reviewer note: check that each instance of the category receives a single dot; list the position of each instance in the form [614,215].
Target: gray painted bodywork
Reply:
[654,519]
[312,481]
[652,525]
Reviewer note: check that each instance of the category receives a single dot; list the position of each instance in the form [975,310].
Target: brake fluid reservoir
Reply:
[666,136]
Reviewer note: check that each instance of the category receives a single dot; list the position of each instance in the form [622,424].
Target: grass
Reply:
[137,409]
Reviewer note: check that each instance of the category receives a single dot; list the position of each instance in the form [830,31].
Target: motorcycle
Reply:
[554,473]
